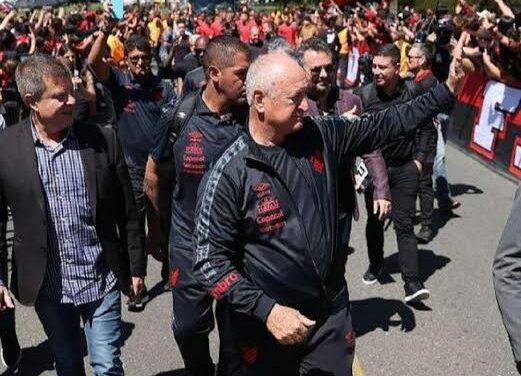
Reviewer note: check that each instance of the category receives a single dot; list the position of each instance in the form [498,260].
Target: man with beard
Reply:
[139,100]
[267,236]
[325,98]
[256,44]
[217,119]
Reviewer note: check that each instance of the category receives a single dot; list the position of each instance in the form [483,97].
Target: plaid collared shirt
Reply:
[76,270]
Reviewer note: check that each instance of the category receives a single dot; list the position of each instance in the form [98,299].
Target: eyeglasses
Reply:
[318,69]
[135,59]
[413,57]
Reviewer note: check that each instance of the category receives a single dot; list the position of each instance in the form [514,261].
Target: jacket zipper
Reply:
[303,229]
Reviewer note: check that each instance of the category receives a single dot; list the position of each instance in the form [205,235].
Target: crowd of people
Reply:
[231,146]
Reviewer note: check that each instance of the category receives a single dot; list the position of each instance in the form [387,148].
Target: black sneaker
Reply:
[415,291]
[137,304]
[371,275]
[13,366]
[424,235]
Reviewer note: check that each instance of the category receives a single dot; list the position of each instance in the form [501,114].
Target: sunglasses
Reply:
[318,69]
[135,59]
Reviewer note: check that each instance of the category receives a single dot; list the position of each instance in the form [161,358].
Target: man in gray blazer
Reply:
[507,277]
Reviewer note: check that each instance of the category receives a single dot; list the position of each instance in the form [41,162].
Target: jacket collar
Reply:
[398,91]
[422,74]
[254,151]
[332,97]
[26,145]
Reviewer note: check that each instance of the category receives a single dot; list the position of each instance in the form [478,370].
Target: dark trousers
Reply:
[8,338]
[404,182]
[328,349]
[192,314]
[136,171]
[426,196]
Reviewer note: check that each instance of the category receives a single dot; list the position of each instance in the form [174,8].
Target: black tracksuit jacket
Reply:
[251,245]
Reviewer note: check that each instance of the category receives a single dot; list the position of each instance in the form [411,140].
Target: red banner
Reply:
[487,121]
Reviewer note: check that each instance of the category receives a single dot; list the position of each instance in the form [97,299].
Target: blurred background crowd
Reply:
[353,32]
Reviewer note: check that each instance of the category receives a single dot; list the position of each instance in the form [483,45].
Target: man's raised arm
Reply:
[95,58]
[370,132]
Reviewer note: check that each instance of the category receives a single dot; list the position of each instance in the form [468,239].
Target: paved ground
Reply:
[459,331]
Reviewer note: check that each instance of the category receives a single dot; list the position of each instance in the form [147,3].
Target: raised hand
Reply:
[456,72]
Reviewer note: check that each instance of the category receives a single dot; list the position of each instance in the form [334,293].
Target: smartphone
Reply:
[117,9]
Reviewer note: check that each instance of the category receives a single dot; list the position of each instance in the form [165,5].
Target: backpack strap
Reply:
[175,120]
[181,115]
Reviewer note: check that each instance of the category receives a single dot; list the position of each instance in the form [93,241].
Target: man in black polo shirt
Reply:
[404,158]
[217,120]
[139,101]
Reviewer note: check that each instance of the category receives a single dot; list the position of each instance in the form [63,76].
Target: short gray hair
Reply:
[279,44]
[261,76]
[424,51]
[30,74]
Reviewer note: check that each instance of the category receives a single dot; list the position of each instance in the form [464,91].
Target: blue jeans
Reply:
[439,170]
[102,327]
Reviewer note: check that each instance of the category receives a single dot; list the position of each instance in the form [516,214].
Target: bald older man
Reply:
[267,236]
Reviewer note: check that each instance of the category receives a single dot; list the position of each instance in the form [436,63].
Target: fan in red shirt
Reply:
[243,28]
[203,28]
[216,26]
[288,30]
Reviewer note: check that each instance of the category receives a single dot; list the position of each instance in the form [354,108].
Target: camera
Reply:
[505,24]
[444,32]
[366,68]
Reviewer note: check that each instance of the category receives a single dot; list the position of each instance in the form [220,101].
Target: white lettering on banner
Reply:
[515,159]
[499,100]
[517,156]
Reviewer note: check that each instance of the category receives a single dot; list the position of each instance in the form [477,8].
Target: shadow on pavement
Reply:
[157,290]
[464,189]
[126,331]
[36,360]
[373,313]
[177,372]
[429,263]
[420,306]
[440,219]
